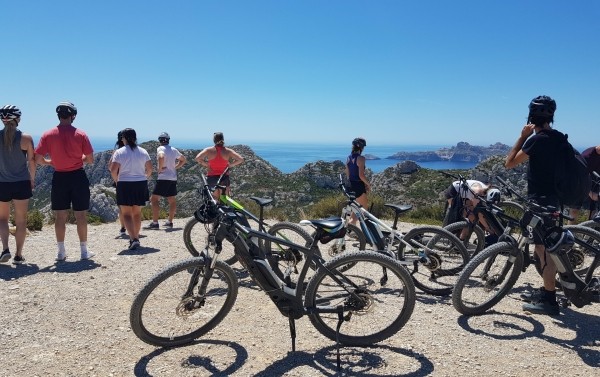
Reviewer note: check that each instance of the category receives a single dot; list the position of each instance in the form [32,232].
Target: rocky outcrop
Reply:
[462,152]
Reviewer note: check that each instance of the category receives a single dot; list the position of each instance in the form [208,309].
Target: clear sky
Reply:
[395,72]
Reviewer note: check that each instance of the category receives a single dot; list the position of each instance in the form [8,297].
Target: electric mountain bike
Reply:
[490,275]
[432,255]
[189,298]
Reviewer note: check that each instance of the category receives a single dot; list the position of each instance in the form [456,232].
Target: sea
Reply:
[289,157]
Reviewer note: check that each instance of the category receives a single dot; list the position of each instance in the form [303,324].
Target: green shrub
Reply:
[35,220]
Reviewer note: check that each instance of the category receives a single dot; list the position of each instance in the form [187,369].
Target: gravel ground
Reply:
[72,319]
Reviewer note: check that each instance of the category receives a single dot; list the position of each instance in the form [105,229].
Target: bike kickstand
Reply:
[337,337]
[292,331]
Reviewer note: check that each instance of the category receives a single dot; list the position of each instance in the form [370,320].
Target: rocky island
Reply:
[462,152]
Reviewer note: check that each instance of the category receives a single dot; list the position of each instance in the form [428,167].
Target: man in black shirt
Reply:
[540,149]
[592,158]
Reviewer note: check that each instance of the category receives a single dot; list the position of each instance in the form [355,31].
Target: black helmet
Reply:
[10,112]
[543,106]
[359,142]
[66,108]
[207,213]
[164,137]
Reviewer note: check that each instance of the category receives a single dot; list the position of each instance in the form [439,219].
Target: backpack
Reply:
[571,180]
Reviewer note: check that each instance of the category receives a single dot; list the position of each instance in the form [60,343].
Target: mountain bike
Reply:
[594,216]
[490,275]
[432,255]
[189,298]
[196,233]
[472,232]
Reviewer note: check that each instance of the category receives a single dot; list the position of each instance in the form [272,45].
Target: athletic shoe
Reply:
[153,225]
[61,256]
[134,244]
[533,296]
[542,306]
[5,256]
[123,231]
[168,224]
[87,255]
[18,260]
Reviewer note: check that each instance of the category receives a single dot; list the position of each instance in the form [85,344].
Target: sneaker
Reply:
[168,224]
[87,255]
[123,231]
[134,243]
[542,306]
[533,296]
[5,256]
[153,225]
[18,260]
[61,256]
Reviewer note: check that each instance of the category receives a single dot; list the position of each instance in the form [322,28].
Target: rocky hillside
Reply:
[406,182]
[462,152]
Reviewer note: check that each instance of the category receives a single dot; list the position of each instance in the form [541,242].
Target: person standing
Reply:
[169,160]
[217,159]
[541,151]
[66,149]
[131,167]
[355,171]
[17,177]
[592,158]
[118,144]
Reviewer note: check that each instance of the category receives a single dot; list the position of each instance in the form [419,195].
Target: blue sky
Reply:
[395,72]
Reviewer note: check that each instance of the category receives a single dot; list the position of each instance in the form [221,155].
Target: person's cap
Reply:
[164,135]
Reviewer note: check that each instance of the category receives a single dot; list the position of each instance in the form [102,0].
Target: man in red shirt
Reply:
[66,149]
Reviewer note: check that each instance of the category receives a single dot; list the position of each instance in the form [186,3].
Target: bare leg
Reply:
[4,216]
[172,207]
[549,268]
[81,218]
[60,224]
[154,202]
[21,223]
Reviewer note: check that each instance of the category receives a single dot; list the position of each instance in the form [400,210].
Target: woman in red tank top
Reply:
[218,158]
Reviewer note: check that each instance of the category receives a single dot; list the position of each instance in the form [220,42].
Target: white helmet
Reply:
[493,195]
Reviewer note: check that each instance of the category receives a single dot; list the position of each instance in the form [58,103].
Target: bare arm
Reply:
[181,160]
[42,160]
[114,171]
[161,161]
[148,168]
[516,155]
[360,162]
[27,145]
[87,159]
[202,157]
[234,158]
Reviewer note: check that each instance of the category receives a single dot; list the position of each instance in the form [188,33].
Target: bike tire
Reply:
[161,307]
[584,251]
[445,254]
[591,224]
[474,239]
[284,259]
[195,239]
[478,289]
[390,302]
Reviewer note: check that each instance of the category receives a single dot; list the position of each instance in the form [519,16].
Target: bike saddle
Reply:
[399,208]
[261,201]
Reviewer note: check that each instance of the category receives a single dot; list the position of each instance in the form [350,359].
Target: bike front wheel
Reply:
[195,239]
[172,309]
[434,257]
[377,297]
[487,278]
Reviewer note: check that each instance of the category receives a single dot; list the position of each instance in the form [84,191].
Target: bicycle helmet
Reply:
[206,214]
[558,240]
[493,195]
[543,106]
[10,112]
[66,108]
[164,138]
[359,142]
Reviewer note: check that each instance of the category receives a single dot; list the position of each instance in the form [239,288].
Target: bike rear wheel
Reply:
[487,278]
[583,253]
[195,238]
[474,236]
[384,307]
[170,311]
[434,258]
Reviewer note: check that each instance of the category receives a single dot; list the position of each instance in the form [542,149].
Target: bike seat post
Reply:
[397,215]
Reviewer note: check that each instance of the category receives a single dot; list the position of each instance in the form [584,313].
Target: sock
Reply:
[61,247]
[83,247]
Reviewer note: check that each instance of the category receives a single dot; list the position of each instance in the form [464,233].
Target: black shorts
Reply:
[213,179]
[132,193]
[70,188]
[20,190]
[165,187]
[358,187]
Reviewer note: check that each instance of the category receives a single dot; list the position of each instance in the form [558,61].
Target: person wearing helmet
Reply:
[130,169]
[17,177]
[537,144]
[169,160]
[218,158]
[67,148]
[355,171]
